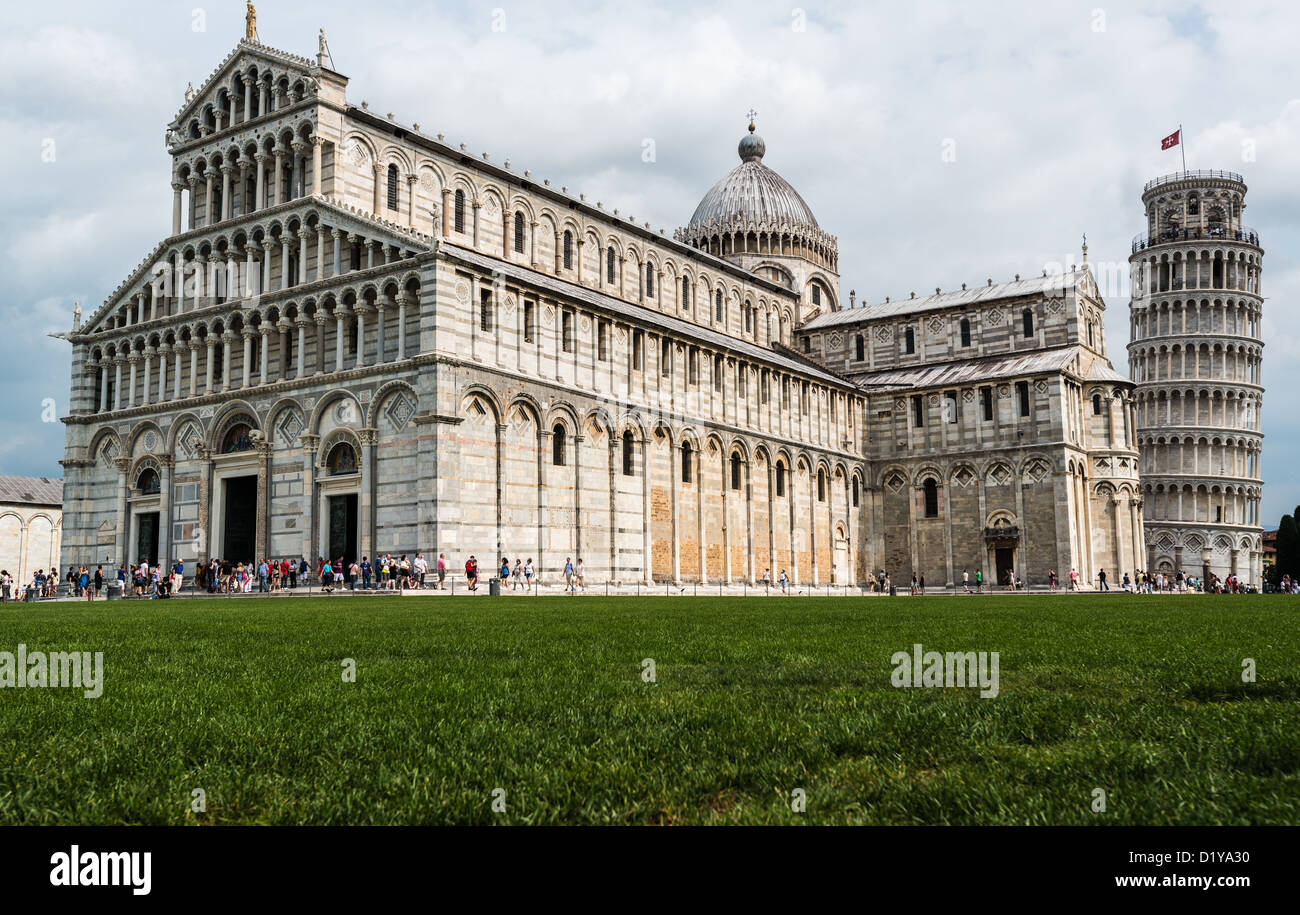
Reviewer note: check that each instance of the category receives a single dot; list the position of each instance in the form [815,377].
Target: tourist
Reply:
[421,570]
[529,572]
[471,573]
[1101,581]
[365,573]
[767,581]
[326,576]
[517,575]
[965,581]
[442,571]
[338,573]
[784,581]
[979,581]
[568,574]
[580,576]
[1051,579]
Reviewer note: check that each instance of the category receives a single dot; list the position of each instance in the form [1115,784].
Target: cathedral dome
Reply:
[753,210]
[752,195]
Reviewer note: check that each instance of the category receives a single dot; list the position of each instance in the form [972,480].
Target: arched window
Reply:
[855,492]
[392,187]
[931,498]
[629,458]
[1096,405]
[717,306]
[148,482]
[909,341]
[816,296]
[780,478]
[735,471]
[687,455]
[821,485]
[519,232]
[859,348]
[342,459]
[460,211]
[650,281]
[1027,323]
[609,265]
[686,293]
[238,438]
[568,250]
[965,331]
[558,444]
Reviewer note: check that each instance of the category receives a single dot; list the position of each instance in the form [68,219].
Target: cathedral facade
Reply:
[359,338]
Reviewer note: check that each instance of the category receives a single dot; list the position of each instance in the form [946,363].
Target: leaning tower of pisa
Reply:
[1195,352]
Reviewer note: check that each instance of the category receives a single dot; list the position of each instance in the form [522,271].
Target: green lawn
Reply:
[544,698]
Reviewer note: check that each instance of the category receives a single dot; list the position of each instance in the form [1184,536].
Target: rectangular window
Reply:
[602,340]
[1022,391]
[918,410]
[986,402]
[566,331]
[952,408]
[717,373]
[763,387]
[530,322]
[785,392]
[485,310]
[742,378]
[638,350]
[693,366]
[666,358]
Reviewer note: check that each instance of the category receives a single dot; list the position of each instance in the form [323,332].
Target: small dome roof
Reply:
[752,194]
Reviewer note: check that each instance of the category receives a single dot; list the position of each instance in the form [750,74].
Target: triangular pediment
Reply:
[247,54]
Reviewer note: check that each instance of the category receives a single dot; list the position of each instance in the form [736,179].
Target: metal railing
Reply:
[1196,233]
[1192,176]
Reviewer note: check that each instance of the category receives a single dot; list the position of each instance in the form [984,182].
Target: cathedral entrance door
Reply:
[146,538]
[343,529]
[1005,560]
[239,520]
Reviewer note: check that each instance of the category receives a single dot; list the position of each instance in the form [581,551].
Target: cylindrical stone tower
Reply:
[1195,355]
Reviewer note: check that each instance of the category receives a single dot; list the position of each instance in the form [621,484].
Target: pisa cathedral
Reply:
[360,338]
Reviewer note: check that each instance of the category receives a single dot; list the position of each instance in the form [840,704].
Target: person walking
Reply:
[1101,581]
[784,581]
[442,571]
[580,576]
[568,574]
[529,572]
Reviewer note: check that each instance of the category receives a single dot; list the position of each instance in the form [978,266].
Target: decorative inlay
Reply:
[399,410]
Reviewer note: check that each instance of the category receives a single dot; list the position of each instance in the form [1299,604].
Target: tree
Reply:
[1288,547]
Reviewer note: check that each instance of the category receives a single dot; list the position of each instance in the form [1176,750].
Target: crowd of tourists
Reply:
[404,573]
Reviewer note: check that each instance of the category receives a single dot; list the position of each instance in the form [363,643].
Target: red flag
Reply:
[1171,141]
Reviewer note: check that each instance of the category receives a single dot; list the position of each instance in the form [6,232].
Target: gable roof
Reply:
[245,46]
[31,491]
[1073,359]
[1050,285]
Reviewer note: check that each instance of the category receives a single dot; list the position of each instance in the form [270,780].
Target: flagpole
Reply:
[1182,146]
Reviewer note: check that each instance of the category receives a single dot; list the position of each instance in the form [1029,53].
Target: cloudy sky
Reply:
[1054,112]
